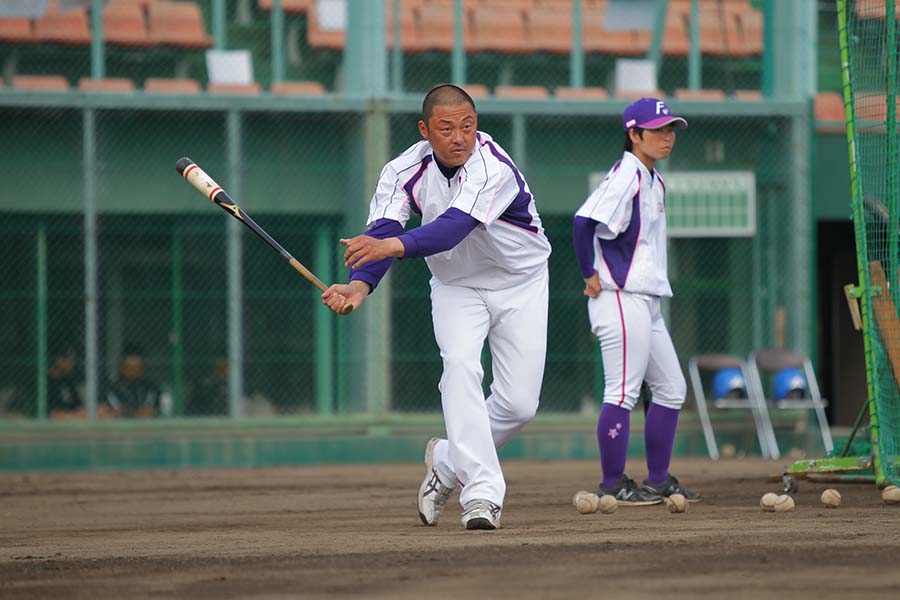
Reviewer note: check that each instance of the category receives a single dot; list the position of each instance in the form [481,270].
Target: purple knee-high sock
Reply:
[612,437]
[659,436]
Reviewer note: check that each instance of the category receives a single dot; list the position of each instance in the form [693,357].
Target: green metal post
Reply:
[769,53]
[324,320]
[177,324]
[659,25]
[365,53]
[277,23]
[397,51]
[98,46]
[576,58]
[694,58]
[378,324]
[519,141]
[235,271]
[42,322]
[458,59]
[89,173]
[218,25]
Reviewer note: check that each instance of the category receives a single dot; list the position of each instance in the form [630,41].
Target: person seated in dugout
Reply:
[65,392]
[131,394]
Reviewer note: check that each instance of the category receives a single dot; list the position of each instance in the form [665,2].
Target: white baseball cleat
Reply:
[433,495]
[481,514]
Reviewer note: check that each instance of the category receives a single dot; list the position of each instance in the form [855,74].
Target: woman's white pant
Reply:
[636,347]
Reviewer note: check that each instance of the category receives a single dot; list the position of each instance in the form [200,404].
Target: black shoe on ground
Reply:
[627,493]
[670,486]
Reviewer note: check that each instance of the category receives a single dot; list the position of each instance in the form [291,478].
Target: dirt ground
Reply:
[338,531]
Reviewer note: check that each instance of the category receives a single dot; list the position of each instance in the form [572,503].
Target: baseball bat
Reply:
[198,178]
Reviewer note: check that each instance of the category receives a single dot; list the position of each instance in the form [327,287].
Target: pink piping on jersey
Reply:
[624,347]
[662,183]
[497,187]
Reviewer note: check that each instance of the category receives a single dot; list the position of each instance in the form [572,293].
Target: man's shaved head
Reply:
[444,94]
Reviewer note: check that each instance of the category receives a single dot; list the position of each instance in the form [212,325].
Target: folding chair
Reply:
[773,361]
[750,401]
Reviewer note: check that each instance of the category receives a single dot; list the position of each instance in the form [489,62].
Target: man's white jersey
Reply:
[630,238]
[509,241]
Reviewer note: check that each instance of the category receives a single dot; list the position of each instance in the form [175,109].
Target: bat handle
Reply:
[298,266]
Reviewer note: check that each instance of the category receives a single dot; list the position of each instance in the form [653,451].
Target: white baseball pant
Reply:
[514,320]
[636,347]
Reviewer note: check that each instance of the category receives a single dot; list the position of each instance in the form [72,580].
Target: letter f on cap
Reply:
[660,107]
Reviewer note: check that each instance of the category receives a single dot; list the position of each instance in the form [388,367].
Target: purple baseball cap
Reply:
[649,113]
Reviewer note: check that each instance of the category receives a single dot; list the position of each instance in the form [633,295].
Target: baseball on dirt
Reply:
[831,498]
[784,503]
[608,504]
[586,502]
[767,502]
[891,494]
[677,503]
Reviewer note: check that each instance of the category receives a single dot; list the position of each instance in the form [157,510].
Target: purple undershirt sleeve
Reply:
[583,240]
[373,272]
[440,235]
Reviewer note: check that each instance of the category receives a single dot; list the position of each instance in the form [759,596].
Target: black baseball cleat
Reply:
[670,486]
[627,493]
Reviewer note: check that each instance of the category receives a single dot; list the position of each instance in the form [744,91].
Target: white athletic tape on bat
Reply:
[198,178]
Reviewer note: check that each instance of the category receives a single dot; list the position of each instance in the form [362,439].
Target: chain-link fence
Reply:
[118,271]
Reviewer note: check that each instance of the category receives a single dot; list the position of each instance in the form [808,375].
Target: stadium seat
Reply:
[523,92]
[436,30]
[635,94]
[297,88]
[289,6]
[409,32]
[63,27]
[139,3]
[746,33]
[676,34]
[172,86]
[585,93]
[16,30]
[725,377]
[550,28]
[40,83]
[875,9]
[123,24]
[752,95]
[177,24]
[477,90]
[776,362]
[322,37]
[234,89]
[499,29]
[118,85]
[703,95]
[829,113]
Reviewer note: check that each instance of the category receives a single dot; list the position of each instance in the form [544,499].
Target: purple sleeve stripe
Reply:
[372,273]
[583,240]
[440,235]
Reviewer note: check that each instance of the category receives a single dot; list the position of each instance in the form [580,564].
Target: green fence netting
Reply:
[869,51]
[109,254]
